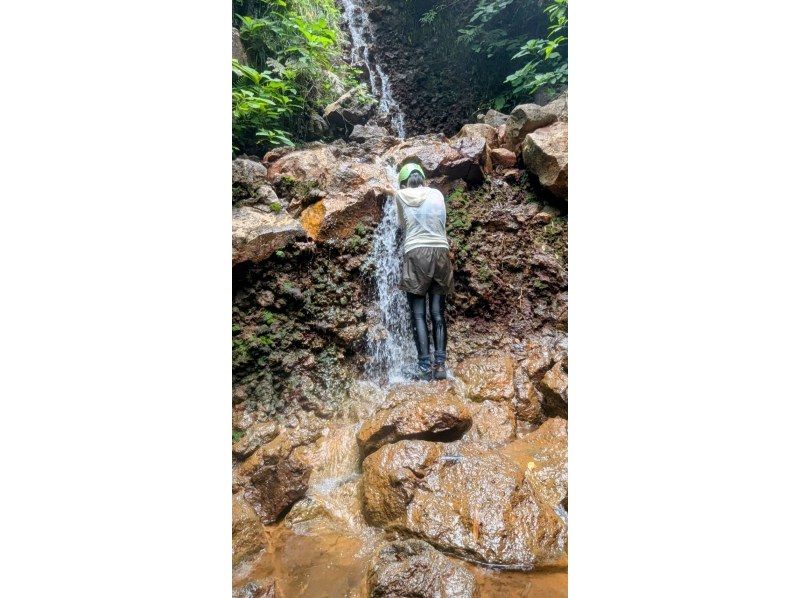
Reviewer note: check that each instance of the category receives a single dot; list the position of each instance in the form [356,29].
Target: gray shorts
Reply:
[427,270]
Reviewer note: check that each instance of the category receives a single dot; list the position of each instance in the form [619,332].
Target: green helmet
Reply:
[406,171]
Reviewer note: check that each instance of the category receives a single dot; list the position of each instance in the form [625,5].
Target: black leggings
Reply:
[419,326]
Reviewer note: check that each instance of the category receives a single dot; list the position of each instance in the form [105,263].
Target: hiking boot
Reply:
[439,371]
[423,373]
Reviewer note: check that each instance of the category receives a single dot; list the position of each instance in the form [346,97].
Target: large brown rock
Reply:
[559,107]
[256,435]
[524,119]
[258,232]
[545,154]
[250,183]
[493,118]
[493,423]
[432,152]
[414,569]
[331,194]
[503,157]
[249,536]
[472,501]
[276,476]
[484,131]
[463,157]
[487,377]
[436,417]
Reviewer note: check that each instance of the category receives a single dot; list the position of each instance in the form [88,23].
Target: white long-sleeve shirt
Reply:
[423,217]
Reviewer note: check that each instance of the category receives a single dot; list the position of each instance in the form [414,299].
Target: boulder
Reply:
[414,569]
[524,119]
[258,232]
[255,436]
[474,162]
[331,194]
[470,500]
[493,423]
[493,118]
[432,152]
[238,51]
[545,154]
[484,131]
[558,107]
[347,111]
[276,476]
[431,418]
[528,402]
[503,157]
[249,183]
[249,535]
[487,377]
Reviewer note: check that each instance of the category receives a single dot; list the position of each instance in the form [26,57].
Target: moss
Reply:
[275,206]
[268,317]
[237,435]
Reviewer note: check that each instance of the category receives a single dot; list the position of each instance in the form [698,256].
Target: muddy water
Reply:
[323,546]
[331,565]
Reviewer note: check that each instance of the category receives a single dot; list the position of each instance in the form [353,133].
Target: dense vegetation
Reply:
[511,30]
[295,69]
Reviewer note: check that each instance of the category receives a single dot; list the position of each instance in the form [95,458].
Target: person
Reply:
[427,274]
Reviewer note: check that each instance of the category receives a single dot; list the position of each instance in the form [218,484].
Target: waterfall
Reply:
[362,35]
[390,345]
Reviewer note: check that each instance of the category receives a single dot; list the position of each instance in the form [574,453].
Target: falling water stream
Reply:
[362,35]
[390,348]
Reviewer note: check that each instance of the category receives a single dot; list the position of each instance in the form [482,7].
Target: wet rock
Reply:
[524,119]
[331,194]
[554,388]
[266,588]
[475,159]
[256,435]
[315,165]
[493,118]
[503,157]
[238,51]
[472,501]
[414,569]
[487,377]
[431,417]
[493,423]
[545,154]
[249,536]
[276,476]
[528,402]
[347,111]
[432,152]
[483,131]
[548,460]
[258,232]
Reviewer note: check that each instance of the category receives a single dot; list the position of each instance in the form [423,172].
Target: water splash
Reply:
[390,345]
[362,35]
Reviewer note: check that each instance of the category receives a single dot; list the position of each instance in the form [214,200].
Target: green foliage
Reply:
[237,435]
[275,206]
[292,46]
[547,67]
[508,30]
